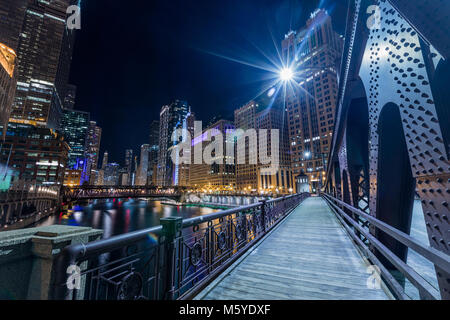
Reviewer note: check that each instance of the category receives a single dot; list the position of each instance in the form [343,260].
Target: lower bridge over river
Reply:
[293,247]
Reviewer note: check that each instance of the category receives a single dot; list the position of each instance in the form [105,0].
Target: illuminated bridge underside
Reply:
[392,134]
[309,256]
[106,192]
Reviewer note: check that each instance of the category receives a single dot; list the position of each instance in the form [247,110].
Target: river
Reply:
[116,216]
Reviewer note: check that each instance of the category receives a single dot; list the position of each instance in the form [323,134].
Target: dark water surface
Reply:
[118,216]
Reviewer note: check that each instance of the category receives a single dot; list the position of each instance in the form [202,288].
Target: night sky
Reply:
[131,57]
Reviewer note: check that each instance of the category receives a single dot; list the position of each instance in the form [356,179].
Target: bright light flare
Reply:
[286,74]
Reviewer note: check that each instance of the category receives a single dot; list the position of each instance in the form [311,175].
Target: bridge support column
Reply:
[434,192]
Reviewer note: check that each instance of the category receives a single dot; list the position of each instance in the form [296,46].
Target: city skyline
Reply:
[244,150]
[231,85]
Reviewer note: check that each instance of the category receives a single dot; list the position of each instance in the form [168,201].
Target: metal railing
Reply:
[171,261]
[352,217]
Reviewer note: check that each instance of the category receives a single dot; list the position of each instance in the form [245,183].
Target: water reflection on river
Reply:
[117,216]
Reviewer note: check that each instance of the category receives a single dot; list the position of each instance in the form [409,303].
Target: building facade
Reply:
[172,117]
[8,73]
[142,173]
[220,175]
[280,180]
[246,175]
[35,154]
[75,129]
[314,52]
[94,136]
[153,152]
[111,174]
[39,50]
[128,165]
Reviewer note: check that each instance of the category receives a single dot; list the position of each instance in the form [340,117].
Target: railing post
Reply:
[171,229]
[263,215]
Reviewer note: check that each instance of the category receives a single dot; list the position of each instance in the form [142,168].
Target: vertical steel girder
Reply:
[397,66]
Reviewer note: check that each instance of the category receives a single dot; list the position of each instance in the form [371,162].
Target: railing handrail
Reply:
[439,258]
[417,280]
[74,254]
[77,251]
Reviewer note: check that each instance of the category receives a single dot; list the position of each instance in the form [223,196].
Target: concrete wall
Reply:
[27,258]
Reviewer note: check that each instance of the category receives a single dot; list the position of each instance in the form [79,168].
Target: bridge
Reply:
[105,192]
[79,193]
[391,139]
[390,146]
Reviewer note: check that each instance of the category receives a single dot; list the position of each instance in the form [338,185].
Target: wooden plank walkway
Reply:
[308,256]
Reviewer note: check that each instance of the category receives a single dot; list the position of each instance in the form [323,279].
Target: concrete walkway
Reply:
[308,256]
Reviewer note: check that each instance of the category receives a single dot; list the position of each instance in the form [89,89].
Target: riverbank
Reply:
[29,221]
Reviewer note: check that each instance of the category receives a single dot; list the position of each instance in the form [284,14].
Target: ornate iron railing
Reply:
[171,261]
[357,223]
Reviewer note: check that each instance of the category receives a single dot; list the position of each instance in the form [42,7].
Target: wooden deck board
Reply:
[309,256]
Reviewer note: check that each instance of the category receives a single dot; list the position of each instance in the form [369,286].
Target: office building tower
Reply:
[12,13]
[245,119]
[39,51]
[111,174]
[172,117]
[69,97]
[153,152]
[128,164]
[93,144]
[74,127]
[124,178]
[314,52]
[220,175]
[8,73]
[181,170]
[272,116]
[265,112]
[66,92]
[78,174]
[35,154]
[135,171]
[142,172]
[105,159]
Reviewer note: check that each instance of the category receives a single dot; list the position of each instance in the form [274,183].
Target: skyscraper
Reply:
[12,13]
[39,51]
[315,50]
[35,154]
[102,174]
[128,164]
[153,152]
[216,176]
[93,140]
[245,119]
[263,113]
[8,74]
[181,171]
[172,117]
[69,98]
[111,174]
[143,166]
[74,127]
[105,160]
